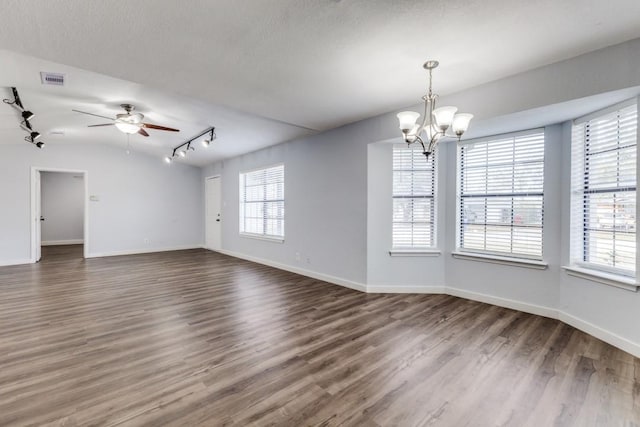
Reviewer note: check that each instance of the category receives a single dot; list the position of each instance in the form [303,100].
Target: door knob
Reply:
[41,218]
[218,220]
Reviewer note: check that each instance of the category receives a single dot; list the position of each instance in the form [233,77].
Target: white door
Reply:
[213,223]
[38,218]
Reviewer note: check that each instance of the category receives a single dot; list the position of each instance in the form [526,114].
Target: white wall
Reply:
[536,287]
[336,187]
[62,207]
[325,204]
[394,273]
[143,204]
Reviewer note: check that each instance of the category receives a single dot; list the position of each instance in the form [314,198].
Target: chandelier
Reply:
[438,123]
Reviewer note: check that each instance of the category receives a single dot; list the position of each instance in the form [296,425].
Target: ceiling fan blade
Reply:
[91,114]
[150,126]
[143,132]
[105,124]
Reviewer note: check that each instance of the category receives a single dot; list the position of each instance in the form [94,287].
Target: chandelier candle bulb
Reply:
[444,117]
[407,120]
[461,123]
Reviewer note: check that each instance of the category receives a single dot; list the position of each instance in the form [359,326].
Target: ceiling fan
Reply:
[129,122]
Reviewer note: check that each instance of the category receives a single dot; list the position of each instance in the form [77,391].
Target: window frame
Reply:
[432,249]
[509,258]
[579,266]
[242,203]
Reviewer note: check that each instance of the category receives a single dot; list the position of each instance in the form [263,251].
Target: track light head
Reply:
[207,141]
[27,115]
[168,159]
[34,136]
[40,144]
[183,153]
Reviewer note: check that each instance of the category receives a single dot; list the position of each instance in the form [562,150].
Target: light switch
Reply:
[94,198]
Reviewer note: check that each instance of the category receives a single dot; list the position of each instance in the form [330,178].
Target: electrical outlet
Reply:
[308,260]
[298,256]
[146,240]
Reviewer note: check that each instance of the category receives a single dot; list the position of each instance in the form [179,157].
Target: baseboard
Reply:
[62,242]
[387,289]
[15,262]
[142,251]
[303,272]
[600,333]
[582,325]
[503,302]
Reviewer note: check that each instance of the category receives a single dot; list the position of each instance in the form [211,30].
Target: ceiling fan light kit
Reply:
[129,122]
[437,121]
[26,115]
[182,149]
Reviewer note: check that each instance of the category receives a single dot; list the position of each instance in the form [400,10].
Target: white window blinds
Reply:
[262,202]
[413,199]
[603,199]
[500,195]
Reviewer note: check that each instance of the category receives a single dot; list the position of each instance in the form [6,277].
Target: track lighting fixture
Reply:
[208,140]
[182,149]
[26,116]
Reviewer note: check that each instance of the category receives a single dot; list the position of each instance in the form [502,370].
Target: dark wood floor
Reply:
[198,338]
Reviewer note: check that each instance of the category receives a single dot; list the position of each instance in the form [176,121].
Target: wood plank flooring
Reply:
[198,338]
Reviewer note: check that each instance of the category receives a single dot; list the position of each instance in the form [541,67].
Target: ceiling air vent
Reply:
[56,79]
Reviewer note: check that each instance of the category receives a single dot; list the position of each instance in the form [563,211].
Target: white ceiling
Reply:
[313,64]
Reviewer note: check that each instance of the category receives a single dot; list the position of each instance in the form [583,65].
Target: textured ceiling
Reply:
[313,64]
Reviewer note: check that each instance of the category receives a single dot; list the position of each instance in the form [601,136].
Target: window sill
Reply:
[415,252]
[610,279]
[262,237]
[496,259]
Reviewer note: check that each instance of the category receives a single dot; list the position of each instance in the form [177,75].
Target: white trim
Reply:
[142,251]
[308,273]
[580,324]
[62,242]
[610,279]
[495,259]
[600,333]
[605,111]
[504,302]
[589,328]
[15,262]
[85,178]
[262,237]
[414,252]
[392,289]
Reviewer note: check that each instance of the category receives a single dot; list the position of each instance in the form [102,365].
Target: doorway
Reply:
[213,220]
[58,213]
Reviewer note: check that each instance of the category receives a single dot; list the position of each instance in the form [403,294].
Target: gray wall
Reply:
[337,184]
[325,204]
[143,204]
[62,207]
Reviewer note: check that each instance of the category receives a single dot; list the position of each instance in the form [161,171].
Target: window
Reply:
[262,202]
[603,197]
[500,195]
[413,199]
